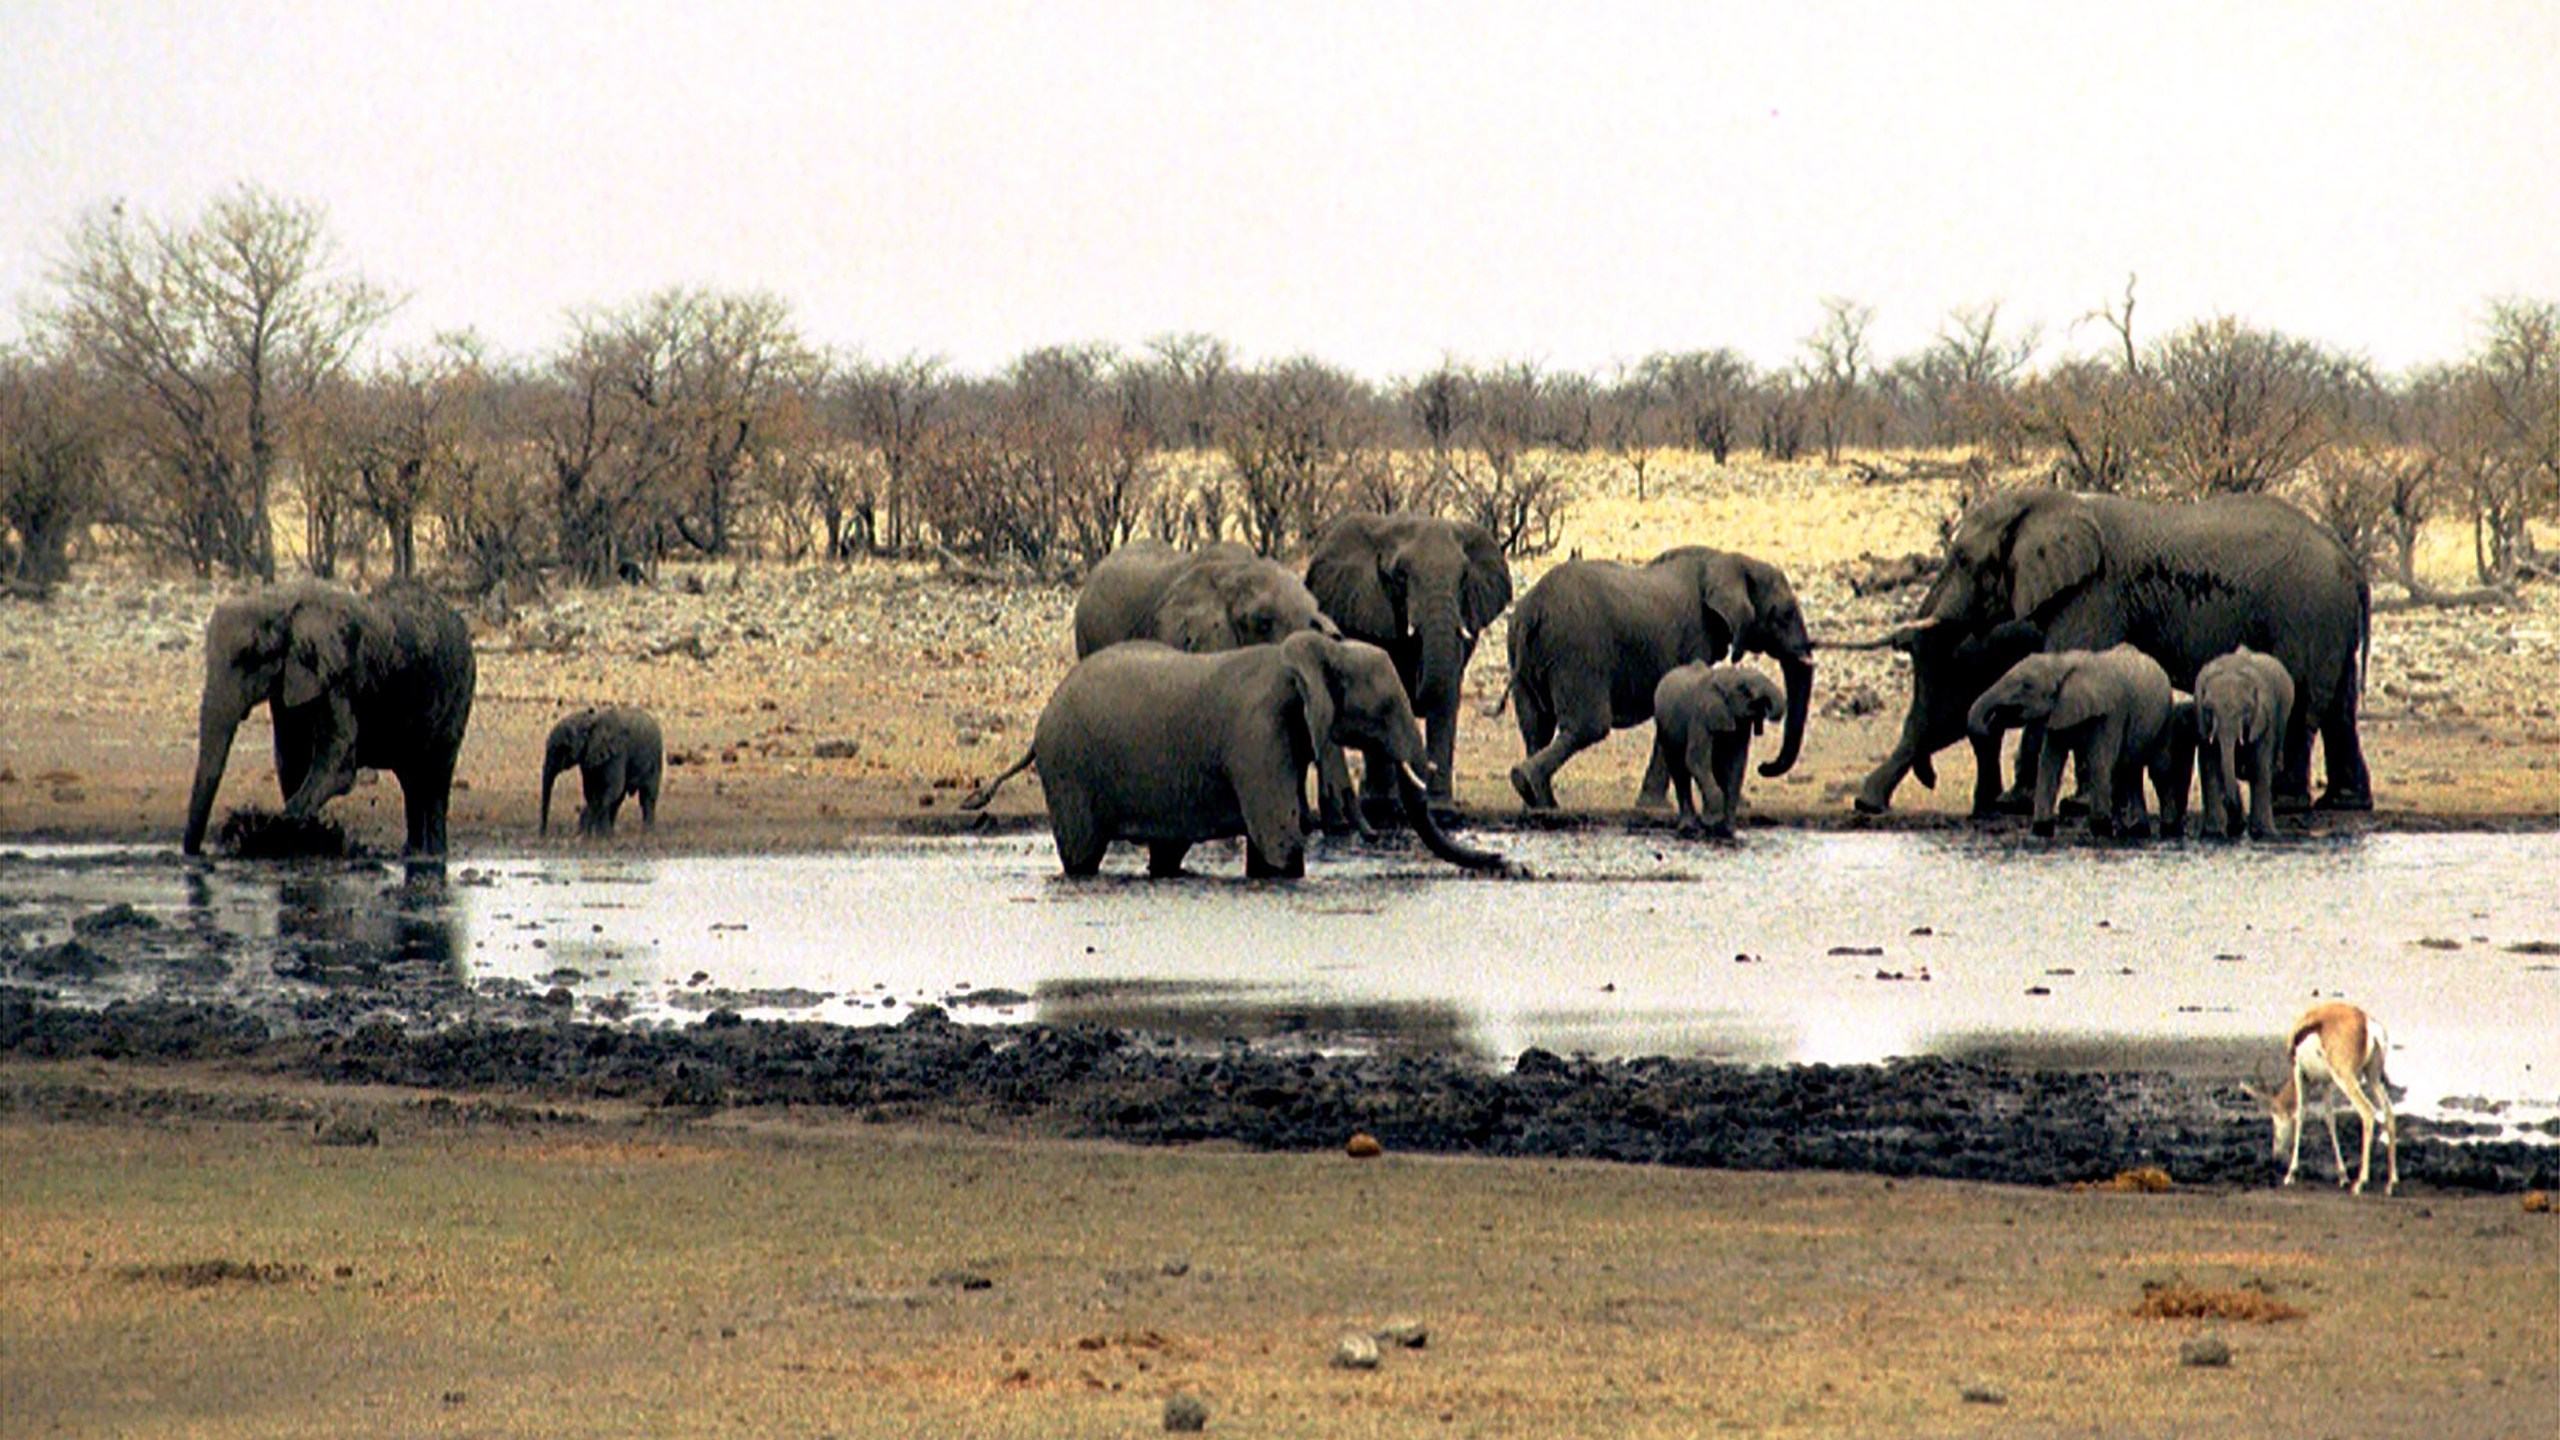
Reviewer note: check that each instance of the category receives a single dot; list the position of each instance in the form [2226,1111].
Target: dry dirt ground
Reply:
[809,705]
[182,1256]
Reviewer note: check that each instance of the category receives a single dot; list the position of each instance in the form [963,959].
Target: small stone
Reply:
[1355,1352]
[1363,1146]
[2205,1352]
[1186,1413]
[1984,1395]
[344,1130]
[1405,1333]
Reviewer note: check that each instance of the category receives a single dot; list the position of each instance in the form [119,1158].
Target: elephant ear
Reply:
[1769,702]
[1726,604]
[2055,549]
[319,644]
[1194,618]
[1345,578]
[1486,591]
[1716,709]
[2077,701]
[1309,674]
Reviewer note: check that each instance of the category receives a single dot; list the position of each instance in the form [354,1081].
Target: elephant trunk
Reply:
[1433,614]
[217,720]
[552,764]
[1798,670]
[1417,811]
[2226,759]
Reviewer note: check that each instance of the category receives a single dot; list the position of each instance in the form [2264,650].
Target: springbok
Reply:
[2341,1044]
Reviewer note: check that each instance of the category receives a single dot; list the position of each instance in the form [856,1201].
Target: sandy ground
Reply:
[931,682]
[210,1269]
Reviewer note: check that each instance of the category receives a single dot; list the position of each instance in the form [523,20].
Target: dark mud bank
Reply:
[1924,1117]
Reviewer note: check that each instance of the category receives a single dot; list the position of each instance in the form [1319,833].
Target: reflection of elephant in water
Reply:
[1214,598]
[2185,582]
[2108,708]
[1594,637]
[379,682]
[1422,589]
[2243,698]
[617,752]
[1145,743]
[1703,719]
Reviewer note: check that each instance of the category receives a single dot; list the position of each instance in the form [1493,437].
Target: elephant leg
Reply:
[2262,802]
[293,754]
[647,790]
[2019,798]
[1080,837]
[2098,779]
[1534,777]
[2293,779]
[2350,783]
[1164,857]
[2048,789]
[1732,755]
[1655,792]
[1275,844]
[425,791]
[1986,776]
[604,796]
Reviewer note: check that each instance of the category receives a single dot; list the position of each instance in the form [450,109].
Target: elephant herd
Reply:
[1208,683]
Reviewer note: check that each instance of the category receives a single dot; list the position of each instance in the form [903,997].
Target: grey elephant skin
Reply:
[1593,638]
[1145,743]
[2184,582]
[1704,717]
[619,754]
[1215,598]
[2244,703]
[2110,710]
[1423,589]
[380,682]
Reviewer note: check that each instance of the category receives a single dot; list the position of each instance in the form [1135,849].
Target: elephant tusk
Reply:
[1412,777]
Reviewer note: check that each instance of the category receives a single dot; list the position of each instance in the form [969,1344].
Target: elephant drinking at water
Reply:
[1594,637]
[381,681]
[2184,582]
[618,753]
[1145,743]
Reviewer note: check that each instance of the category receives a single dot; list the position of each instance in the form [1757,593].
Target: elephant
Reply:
[2184,581]
[382,681]
[1422,589]
[1703,719]
[2110,709]
[618,753]
[1594,637]
[1214,598]
[1147,743]
[2243,698]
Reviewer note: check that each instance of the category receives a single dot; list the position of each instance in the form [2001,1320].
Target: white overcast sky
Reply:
[1377,184]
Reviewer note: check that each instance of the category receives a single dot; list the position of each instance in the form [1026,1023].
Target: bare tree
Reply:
[2242,409]
[1293,434]
[1968,378]
[216,335]
[1705,394]
[52,468]
[1836,359]
[2520,376]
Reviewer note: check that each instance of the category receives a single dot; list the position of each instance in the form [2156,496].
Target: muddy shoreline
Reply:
[1928,1117]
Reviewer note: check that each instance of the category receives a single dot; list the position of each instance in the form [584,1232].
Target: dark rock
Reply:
[2205,1352]
[1186,1414]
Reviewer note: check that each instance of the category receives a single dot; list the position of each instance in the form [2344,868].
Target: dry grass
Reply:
[2178,1300]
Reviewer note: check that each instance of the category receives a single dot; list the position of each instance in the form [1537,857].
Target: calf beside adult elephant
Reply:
[618,752]
[1145,743]
[1422,589]
[1594,637]
[1703,719]
[2110,710]
[380,682]
[2182,582]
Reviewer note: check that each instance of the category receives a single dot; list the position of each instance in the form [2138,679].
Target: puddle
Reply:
[1796,946]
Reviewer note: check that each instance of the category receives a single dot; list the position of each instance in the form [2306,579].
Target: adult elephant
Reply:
[1146,743]
[2183,582]
[379,682]
[1594,637]
[1423,589]
[1215,598]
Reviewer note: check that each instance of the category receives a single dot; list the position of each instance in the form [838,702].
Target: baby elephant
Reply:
[2108,708]
[618,752]
[2243,699]
[1703,719]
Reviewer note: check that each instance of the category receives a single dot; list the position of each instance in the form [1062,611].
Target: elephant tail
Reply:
[978,799]
[2364,631]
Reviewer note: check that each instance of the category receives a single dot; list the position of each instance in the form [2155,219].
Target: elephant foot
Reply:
[2298,802]
[1653,804]
[2074,805]
[1532,794]
[2041,829]
[2352,800]
[2015,802]
[1865,806]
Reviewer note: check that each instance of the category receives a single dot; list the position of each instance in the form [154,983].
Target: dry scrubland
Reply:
[811,704]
